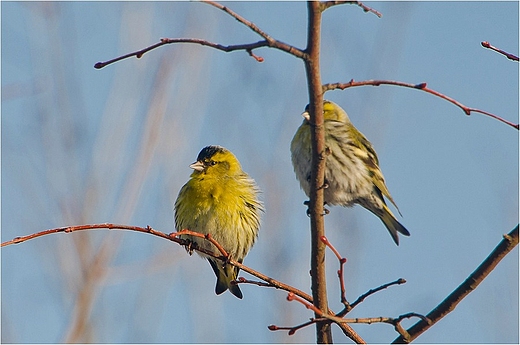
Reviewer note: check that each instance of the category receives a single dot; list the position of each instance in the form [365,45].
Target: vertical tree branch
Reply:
[312,68]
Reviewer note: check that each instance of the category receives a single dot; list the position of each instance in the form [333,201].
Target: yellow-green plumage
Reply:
[221,200]
[352,173]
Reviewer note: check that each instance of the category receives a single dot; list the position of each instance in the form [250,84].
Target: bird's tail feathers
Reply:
[392,224]
[225,275]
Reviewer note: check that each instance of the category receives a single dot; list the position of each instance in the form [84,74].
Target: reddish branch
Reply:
[510,56]
[422,86]
[174,238]
[68,229]
[396,322]
[509,242]
[342,262]
[270,282]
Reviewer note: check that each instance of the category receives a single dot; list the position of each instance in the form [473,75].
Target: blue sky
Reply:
[82,146]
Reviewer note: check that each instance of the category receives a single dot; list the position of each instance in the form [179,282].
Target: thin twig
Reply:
[328,4]
[422,86]
[241,19]
[381,319]
[292,329]
[330,317]
[242,280]
[248,47]
[396,322]
[349,307]
[318,312]
[68,229]
[174,238]
[325,240]
[271,42]
[449,304]
[377,289]
[341,321]
[510,56]
[342,262]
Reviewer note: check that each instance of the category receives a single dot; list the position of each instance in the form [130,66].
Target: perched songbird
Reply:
[352,174]
[221,200]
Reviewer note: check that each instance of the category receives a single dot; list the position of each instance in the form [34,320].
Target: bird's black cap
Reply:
[209,151]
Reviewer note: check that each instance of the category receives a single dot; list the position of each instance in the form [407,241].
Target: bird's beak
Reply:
[306,115]
[198,166]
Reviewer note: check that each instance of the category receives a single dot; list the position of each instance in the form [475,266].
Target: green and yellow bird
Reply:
[352,173]
[220,199]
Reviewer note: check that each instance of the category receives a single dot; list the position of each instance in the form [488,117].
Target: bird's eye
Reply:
[212,163]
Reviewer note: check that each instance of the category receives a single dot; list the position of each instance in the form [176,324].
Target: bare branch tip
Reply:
[256,57]
[510,56]
[508,238]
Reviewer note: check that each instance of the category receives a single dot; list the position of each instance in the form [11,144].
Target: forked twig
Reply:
[396,322]
[342,261]
[267,41]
